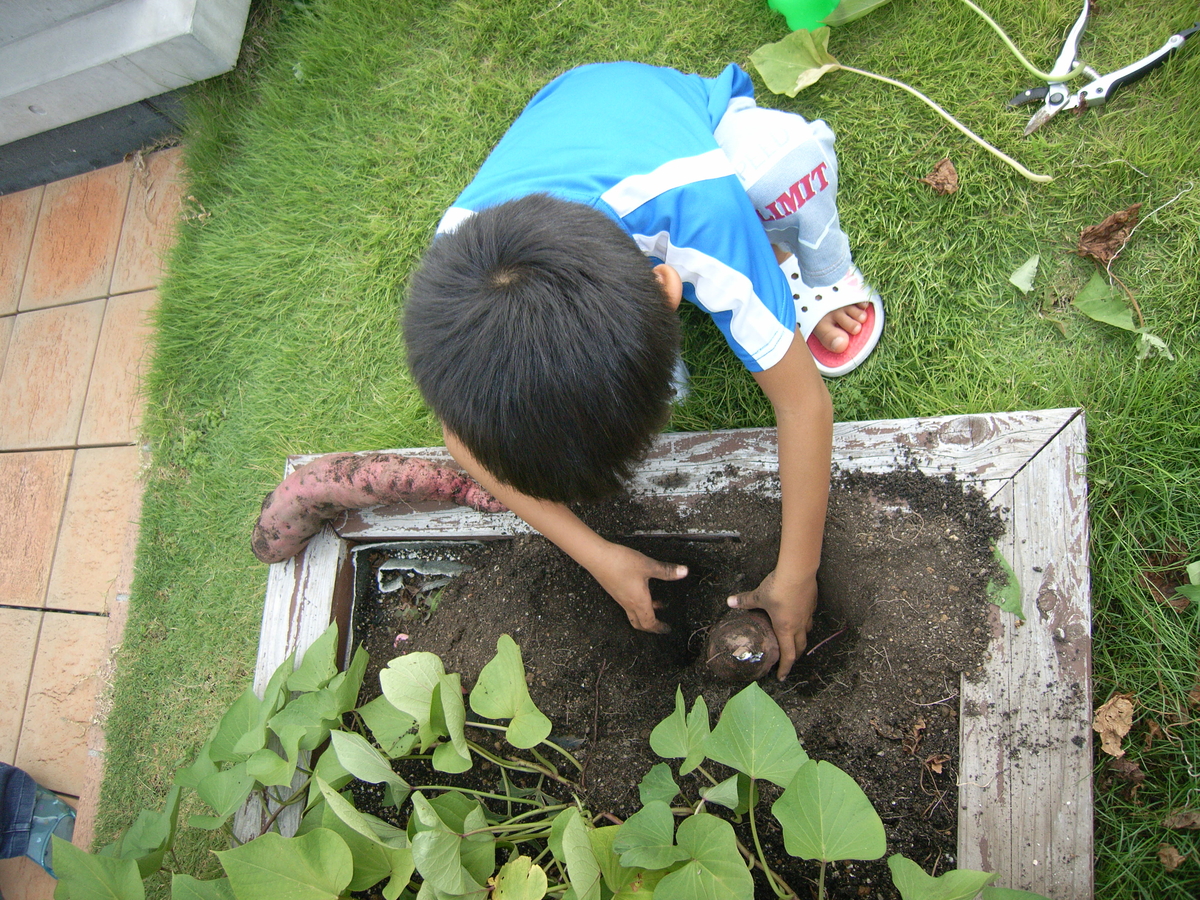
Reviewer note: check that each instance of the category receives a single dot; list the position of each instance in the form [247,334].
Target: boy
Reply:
[546,341]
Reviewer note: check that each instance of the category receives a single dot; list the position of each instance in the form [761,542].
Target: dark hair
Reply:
[540,336]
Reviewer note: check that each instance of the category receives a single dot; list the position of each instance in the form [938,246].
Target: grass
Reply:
[319,168]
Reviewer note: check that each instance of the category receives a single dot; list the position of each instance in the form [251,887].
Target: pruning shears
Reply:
[1055,94]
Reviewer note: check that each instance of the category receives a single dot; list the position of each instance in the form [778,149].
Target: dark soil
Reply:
[903,613]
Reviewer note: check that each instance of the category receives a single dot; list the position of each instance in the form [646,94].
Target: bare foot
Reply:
[835,329]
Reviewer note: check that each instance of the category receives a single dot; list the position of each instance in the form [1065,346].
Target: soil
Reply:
[903,613]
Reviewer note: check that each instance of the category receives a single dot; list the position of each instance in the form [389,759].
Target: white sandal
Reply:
[813,304]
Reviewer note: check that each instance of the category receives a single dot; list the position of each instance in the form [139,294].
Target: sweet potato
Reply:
[742,646]
[332,484]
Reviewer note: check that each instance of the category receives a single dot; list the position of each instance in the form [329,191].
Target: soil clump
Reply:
[903,613]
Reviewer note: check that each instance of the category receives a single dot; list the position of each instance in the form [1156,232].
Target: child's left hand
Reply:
[791,610]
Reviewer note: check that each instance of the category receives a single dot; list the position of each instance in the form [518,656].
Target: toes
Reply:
[831,335]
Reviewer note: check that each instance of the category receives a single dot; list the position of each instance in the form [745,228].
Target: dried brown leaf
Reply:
[1104,241]
[1113,721]
[936,762]
[886,731]
[1170,857]
[1187,818]
[913,740]
[944,177]
[1153,731]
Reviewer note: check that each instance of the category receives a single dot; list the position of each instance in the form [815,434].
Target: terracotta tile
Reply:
[75,241]
[20,630]
[6,327]
[151,217]
[101,511]
[18,215]
[23,879]
[45,378]
[62,699]
[33,487]
[113,410]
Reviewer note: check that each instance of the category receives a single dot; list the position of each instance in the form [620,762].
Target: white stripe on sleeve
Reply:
[721,288]
[628,194]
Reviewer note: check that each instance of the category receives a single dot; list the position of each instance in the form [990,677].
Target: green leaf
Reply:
[849,10]
[224,791]
[346,685]
[658,785]
[725,793]
[995,893]
[304,723]
[269,768]
[1193,572]
[826,816]
[914,884]
[150,836]
[520,879]
[624,883]
[201,767]
[755,736]
[314,866]
[1191,591]
[713,869]
[501,693]
[185,887]
[240,721]
[86,876]
[1096,301]
[391,728]
[374,859]
[370,827]
[1023,277]
[1152,345]
[647,838]
[582,868]
[1007,596]
[792,64]
[408,682]
[448,716]
[682,734]
[437,848]
[363,761]
[318,664]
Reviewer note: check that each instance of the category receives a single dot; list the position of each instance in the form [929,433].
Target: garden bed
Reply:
[1016,737]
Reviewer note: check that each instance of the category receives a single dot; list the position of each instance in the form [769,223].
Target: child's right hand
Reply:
[625,574]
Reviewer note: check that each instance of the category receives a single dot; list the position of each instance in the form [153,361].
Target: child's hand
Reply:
[791,610]
[626,574]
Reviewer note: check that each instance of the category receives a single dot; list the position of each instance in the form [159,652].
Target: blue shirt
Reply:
[636,142]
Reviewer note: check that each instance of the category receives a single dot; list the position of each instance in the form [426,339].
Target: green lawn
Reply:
[320,167]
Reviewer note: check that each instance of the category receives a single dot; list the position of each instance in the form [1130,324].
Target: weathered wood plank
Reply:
[1025,793]
[984,449]
[298,608]
[1025,798]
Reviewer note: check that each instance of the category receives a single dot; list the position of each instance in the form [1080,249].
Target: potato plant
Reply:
[673,848]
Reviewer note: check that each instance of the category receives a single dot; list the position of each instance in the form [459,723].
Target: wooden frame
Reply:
[1025,795]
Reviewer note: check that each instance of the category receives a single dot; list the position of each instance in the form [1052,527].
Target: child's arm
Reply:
[623,572]
[804,418]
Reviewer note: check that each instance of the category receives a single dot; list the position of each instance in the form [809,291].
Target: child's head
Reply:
[543,340]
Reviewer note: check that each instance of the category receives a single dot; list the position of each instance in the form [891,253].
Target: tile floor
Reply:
[80,261]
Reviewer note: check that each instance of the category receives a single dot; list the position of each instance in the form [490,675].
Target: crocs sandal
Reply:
[812,304]
[51,816]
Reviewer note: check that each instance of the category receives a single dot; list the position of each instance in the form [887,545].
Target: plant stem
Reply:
[301,793]
[1030,67]
[520,765]
[461,790]
[758,848]
[548,743]
[999,154]
[821,882]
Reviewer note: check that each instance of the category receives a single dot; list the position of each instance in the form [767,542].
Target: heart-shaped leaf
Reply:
[314,866]
[647,838]
[501,693]
[712,869]
[682,734]
[757,738]
[826,816]
[792,64]
[914,883]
